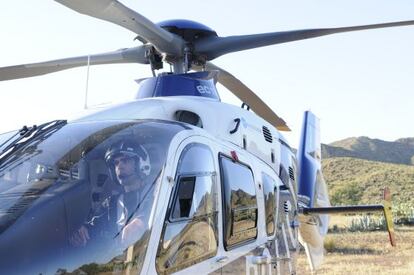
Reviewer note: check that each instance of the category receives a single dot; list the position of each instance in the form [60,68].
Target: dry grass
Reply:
[365,253]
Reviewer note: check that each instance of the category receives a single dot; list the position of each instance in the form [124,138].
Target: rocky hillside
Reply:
[400,151]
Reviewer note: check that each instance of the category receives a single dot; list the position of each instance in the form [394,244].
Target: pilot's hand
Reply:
[130,231]
[80,237]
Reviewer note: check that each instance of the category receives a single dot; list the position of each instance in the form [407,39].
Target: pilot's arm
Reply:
[98,220]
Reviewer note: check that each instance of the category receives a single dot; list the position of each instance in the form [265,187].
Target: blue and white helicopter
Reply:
[220,190]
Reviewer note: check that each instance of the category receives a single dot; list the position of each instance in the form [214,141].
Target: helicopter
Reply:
[224,192]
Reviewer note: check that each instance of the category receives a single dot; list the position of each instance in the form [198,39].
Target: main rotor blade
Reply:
[115,12]
[246,95]
[214,47]
[130,55]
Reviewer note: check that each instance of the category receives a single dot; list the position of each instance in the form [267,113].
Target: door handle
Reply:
[237,120]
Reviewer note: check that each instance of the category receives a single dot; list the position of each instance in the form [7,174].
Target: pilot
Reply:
[128,165]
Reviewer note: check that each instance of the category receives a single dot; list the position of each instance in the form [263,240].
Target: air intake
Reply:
[291,174]
[189,117]
[267,135]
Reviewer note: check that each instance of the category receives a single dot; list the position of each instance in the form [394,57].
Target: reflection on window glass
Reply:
[240,205]
[294,173]
[313,140]
[6,138]
[190,233]
[205,196]
[196,158]
[269,191]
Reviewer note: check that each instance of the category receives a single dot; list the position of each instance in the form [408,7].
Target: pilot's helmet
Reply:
[131,149]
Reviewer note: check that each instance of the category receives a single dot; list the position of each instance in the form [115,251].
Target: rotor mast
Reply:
[190,32]
[183,44]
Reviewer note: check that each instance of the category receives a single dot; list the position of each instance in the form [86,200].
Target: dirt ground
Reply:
[365,253]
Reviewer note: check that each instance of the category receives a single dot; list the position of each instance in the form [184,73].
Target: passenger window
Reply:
[269,191]
[240,205]
[190,230]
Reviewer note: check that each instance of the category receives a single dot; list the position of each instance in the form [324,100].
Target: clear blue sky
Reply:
[358,83]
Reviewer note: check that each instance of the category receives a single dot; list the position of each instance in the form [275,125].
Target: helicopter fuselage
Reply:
[232,159]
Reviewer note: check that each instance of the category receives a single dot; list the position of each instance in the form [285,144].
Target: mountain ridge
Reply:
[400,151]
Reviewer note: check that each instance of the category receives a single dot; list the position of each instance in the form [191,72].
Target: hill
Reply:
[409,141]
[400,151]
[358,181]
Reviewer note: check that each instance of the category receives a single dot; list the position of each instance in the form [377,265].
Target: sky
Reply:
[358,84]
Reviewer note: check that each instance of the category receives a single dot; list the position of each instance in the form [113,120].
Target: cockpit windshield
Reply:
[80,199]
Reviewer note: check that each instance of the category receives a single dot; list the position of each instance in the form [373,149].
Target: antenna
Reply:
[87,82]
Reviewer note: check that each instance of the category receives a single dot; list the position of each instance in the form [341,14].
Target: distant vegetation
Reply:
[356,181]
[357,169]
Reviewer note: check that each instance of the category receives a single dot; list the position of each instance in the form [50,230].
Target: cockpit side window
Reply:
[190,232]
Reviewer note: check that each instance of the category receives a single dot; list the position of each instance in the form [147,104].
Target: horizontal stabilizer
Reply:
[347,209]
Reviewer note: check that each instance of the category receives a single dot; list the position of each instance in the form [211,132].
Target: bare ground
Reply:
[365,253]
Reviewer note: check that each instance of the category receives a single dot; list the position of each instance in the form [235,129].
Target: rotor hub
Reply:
[187,29]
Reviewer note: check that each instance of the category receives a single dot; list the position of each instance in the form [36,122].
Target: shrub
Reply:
[367,223]
[329,245]
[403,213]
[347,194]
